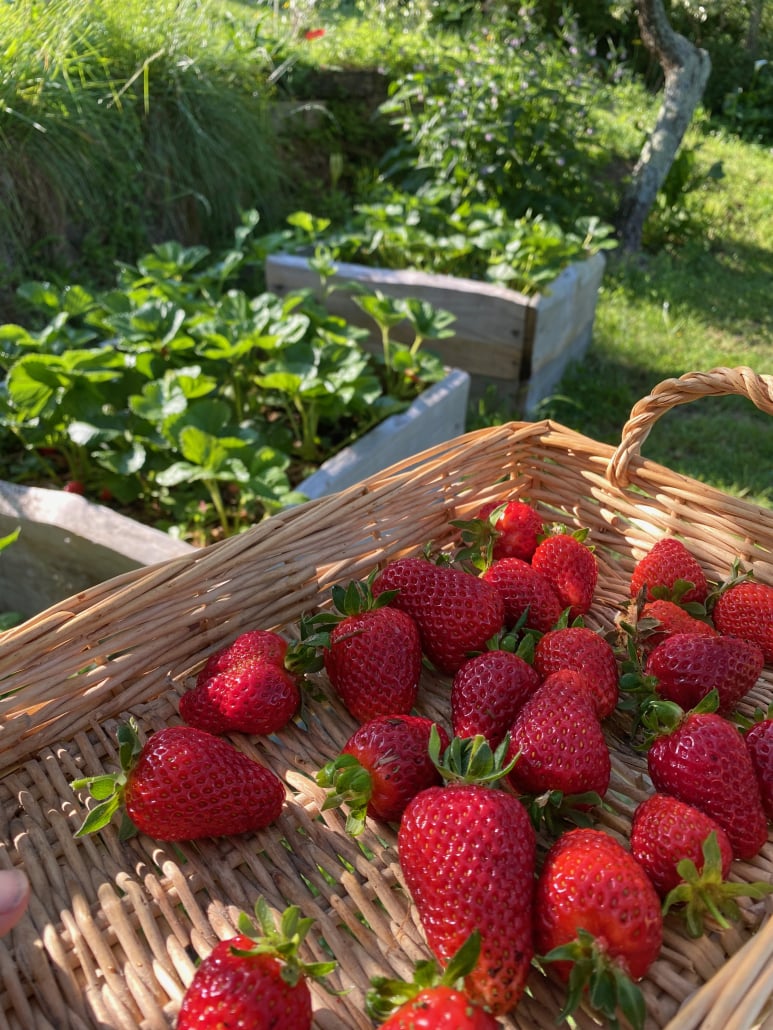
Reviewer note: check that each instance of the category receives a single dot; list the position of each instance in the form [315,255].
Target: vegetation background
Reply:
[123,125]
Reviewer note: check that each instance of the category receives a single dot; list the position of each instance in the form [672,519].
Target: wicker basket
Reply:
[114,930]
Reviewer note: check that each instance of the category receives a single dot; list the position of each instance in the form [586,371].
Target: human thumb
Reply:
[14,897]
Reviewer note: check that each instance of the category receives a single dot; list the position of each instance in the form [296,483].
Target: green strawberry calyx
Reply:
[356,598]
[470,759]
[594,971]
[107,789]
[348,783]
[385,995]
[660,717]
[282,942]
[705,896]
[554,810]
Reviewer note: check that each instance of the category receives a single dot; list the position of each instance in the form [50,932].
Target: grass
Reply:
[126,123]
[690,308]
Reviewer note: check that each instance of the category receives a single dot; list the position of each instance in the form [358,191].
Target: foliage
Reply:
[474,240]
[128,110]
[180,387]
[749,110]
[489,177]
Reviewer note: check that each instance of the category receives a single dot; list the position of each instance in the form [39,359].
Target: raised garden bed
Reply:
[518,344]
[68,544]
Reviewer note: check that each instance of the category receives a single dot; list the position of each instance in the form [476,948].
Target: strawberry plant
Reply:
[185,388]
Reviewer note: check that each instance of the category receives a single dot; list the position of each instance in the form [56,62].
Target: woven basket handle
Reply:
[717,382]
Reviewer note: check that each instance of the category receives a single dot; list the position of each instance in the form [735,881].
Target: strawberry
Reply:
[433,999]
[456,611]
[254,979]
[381,767]
[247,687]
[366,640]
[529,599]
[598,919]
[517,527]
[686,666]
[467,851]
[687,856]
[560,744]
[183,784]
[759,742]
[745,610]
[488,691]
[583,650]
[570,566]
[662,618]
[669,570]
[257,645]
[436,1007]
[665,830]
[702,759]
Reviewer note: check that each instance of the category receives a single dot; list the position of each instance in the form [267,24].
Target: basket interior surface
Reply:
[114,929]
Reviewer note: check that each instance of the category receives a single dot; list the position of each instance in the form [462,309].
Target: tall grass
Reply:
[125,123]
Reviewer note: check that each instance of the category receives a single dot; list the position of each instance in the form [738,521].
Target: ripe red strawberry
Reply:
[366,640]
[432,1000]
[517,528]
[246,687]
[436,1007]
[701,758]
[669,570]
[666,830]
[381,767]
[687,666]
[254,979]
[746,610]
[687,856]
[560,740]
[259,645]
[527,596]
[183,784]
[759,741]
[487,693]
[584,650]
[467,852]
[456,612]
[598,918]
[570,566]
[662,618]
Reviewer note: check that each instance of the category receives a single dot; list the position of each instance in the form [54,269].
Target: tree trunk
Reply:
[686,69]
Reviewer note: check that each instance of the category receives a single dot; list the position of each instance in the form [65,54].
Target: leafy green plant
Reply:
[180,388]
[749,109]
[476,241]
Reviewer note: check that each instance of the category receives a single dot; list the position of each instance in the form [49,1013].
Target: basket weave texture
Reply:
[115,929]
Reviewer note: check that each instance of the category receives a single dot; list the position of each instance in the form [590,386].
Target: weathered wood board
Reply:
[518,344]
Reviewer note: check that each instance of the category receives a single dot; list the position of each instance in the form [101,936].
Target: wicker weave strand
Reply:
[115,929]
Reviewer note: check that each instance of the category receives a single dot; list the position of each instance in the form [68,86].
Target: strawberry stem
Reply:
[385,995]
[610,989]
